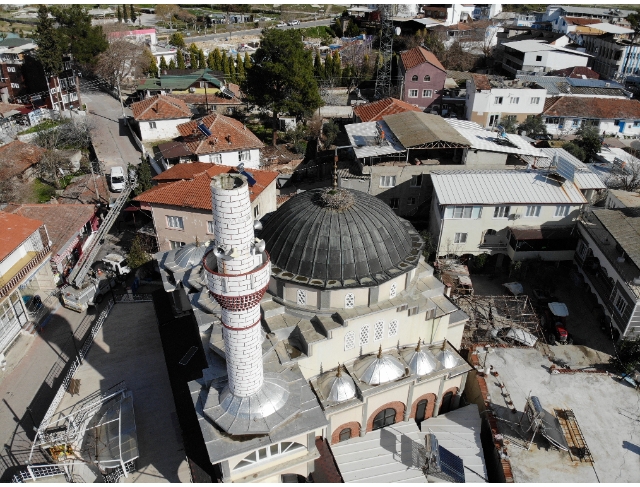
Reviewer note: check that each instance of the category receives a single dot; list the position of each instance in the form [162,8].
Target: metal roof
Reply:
[469,187]
[624,227]
[611,28]
[536,45]
[583,177]
[483,139]
[415,129]
[594,83]
[364,138]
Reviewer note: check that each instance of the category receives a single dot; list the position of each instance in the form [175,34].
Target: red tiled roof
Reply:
[160,107]
[63,221]
[548,102]
[16,157]
[576,72]
[15,230]
[82,189]
[196,192]
[599,108]
[481,81]
[582,21]
[183,171]
[372,112]
[227,134]
[419,55]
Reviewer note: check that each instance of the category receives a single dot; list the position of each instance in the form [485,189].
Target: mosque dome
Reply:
[378,369]
[190,255]
[333,237]
[447,358]
[420,361]
[337,387]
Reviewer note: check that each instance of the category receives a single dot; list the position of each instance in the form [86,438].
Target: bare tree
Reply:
[166,12]
[625,174]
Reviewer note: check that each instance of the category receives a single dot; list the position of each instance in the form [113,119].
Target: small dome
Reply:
[337,387]
[378,369]
[190,255]
[447,358]
[421,362]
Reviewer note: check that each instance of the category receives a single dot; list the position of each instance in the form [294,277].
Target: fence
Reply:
[133,298]
[35,473]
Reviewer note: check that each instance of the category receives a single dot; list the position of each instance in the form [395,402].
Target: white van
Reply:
[117,179]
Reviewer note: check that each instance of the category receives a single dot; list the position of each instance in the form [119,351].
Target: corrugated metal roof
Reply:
[593,83]
[583,177]
[611,28]
[364,138]
[465,187]
[535,45]
[485,140]
[417,128]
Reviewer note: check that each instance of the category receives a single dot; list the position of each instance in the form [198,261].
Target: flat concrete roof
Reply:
[606,411]
[128,348]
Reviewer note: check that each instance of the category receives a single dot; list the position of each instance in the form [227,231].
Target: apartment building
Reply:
[538,56]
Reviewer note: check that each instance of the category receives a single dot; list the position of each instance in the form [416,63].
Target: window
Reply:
[73,96]
[562,210]
[210,227]
[498,100]
[152,125]
[515,100]
[460,238]
[384,418]
[244,155]
[501,212]
[301,297]
[414,77]
[256,211]
[387,181]
[378,331]
[349,340]
[402,308]
[552,120]
[393,328]
[349,301]
[393,291]
[411,201]
[413,93]
[427,77]
[538,58]
[413,311]
[394,203]
[491,232]
[619,303]
[364,335]
[215,158]
[175,245]
[636,123]
[11,69]
[345,434]
[533,211]
[426,93]
[15,85]
[616,123]
[421,411]
[175,222]
[445,407]
[575,122]
[462,212]
[430,314]
[582,249]
[535,100]
[416,181]
[267,452]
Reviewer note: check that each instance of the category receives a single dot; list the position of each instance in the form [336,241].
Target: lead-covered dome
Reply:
[190,255]
[420,361]
[339,237]
[378,369]
[337,387]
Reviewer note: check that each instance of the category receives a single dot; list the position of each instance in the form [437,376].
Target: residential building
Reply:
[169,54]
[158,117]
[565,25]
[486,11]
[24,253]
[221,140]
[450,13]
[491,99]
[201,81]
[613,55]
[608,259]
[611,14]
[181,204]
[422,77]
[374,111]
[566,114]
[64,88]
[617,198]
[139,36]
[225,102]
[519,214]
[13,55]
[540,57]
[557,86]
[578,72]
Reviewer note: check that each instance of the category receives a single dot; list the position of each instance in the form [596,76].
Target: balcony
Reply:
[21,269]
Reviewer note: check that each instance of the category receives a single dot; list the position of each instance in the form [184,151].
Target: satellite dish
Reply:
[398,31]
[257,225]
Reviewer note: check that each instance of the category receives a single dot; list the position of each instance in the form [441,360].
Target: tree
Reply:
[152,70]
[143,177]
[202,62]
[330,131]
[225,66]
[138,256]
[247,62]
[163,64]
[180,60]
[626,175]
[177,40]
[318,68]
[337,66]
[166,12]
[211,60]
[328,66]
[193,55]
[509,124]
[77,35]
[575,150]
[352,29]
[132,14]
[240,73]
[628,357]
[281,80]
[589,140]
[125,14]
[172,64]
[533,125]
[119,14]
[122,59]
[217,60]
[47,37]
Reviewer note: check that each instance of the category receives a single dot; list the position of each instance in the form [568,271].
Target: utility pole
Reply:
[120,97]
[383,80]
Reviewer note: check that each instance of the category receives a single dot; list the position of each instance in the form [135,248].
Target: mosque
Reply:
[324,325]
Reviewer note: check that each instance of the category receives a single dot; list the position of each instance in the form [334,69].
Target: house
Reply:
[611,15]
[221,140]
[577,86]
[374,111]
[565,25]
[518,214]
[580,72]
[540,57]
[181,203]
[224,102]
[13,55]
[617,198]
[139,36]
[158,117]
[201,81]
[86,189]
[24,255]
[608,259]
[451,13]
[422,77]
[567,114]
[613,54]
[169,54]
[491,99]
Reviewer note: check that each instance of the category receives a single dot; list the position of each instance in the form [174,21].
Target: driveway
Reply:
[248,32]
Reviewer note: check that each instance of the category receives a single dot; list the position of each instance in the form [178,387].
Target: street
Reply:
[257,32]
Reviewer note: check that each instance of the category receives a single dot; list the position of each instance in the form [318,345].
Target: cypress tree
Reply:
[119,14]
[132,14]
[125,13]
[172,64]
[153,68]
[318,69]
[225,66]
[163,64]
[202,62]
[247,61]
[211,62]
[239,67]
[180,58]
[328,66]
[217,60]
[337,66]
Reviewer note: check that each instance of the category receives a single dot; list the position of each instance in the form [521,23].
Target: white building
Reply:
[521,214]
[538,56]
[606,14]
[158,117]
[493,98]
[168,53]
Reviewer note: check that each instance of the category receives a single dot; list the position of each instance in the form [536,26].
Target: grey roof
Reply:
[624,227]
[594,10]
[15,42]
[414,129]
[366,141]
[560,85]
[362,244]
[630,199]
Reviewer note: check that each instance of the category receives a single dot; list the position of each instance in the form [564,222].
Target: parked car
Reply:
[554,324]
[116,179]
[294,22]
[281,24]
[515,335]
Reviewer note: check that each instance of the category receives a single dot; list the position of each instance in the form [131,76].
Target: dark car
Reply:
[554,324]
[542,137]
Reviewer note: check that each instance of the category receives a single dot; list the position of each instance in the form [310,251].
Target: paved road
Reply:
[257,32]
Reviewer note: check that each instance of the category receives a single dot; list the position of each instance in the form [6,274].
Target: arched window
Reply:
[349,301]
[302,297]
[345,434]
[378,331]
[393,290]
[364,335]
[421,411]
[393,328]
[414,77]
[445,407]
[384,418]
[263,454]
[349,340]
[427,77]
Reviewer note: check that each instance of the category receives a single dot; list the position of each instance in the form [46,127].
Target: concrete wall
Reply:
[435,84]
[165,129]
[232,158]
[567,126]
[481,105]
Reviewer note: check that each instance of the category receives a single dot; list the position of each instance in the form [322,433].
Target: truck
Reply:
[89,293]
[116,264]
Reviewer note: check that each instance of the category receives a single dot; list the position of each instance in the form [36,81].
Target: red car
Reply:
[554,324]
